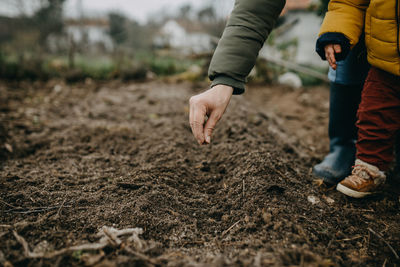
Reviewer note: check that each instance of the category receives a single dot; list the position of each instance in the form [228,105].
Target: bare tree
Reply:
[117,31]
[24,8]
[49,18]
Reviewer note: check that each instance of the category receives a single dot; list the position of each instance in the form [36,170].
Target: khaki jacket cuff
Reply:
[238,86]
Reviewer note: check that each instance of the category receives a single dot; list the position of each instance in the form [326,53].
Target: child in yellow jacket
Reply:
[379,110]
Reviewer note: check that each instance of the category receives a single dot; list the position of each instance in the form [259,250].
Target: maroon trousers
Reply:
[378,118]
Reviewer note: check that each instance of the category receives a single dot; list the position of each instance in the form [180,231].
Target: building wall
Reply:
[90,34]
[305,31]
[174,36]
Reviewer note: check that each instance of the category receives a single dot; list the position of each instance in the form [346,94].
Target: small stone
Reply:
[2,258]
[313,200]
[8,147]
[267,217]
[43,247]
[290,79]
[57,88]
[329,200]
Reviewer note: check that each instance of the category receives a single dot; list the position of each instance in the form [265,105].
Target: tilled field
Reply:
[84,166]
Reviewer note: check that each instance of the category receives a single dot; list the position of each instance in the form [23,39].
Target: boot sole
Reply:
[352,193]
[327,177]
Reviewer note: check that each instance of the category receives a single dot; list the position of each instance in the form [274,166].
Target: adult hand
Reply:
[212,103]
[330,51]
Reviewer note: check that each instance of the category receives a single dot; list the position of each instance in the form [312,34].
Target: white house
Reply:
[89,34]
[92,32]
[174,35]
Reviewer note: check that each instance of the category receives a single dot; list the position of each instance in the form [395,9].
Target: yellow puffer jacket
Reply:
[381,21]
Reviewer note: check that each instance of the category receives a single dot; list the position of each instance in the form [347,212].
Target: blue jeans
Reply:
[354,69]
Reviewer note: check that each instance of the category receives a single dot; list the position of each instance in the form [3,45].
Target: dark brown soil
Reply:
[77,158]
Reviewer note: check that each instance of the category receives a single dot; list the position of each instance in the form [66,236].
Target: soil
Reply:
[75,158]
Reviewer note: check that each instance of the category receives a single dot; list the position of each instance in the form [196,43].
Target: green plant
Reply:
[77,255]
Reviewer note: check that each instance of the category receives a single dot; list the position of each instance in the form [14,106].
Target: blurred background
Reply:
[77,40]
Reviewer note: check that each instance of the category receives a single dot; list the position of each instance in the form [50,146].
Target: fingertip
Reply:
[333,59]
[202,139]
[338,48]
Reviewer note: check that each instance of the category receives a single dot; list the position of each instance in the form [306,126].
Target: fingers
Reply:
[196,118]
[337,48]
[210,125]
[330,55]
[212,103]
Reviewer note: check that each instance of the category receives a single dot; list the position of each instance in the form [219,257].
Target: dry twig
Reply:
[349,239]
[9,205]
[230,228]
[21,225]
[35,255]
[384,241]
[109,237]
[243,188]
[62,204]
[115,241]
[36,210]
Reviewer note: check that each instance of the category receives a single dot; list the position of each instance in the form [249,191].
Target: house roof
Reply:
[100,22]
[189,26]
[292,5]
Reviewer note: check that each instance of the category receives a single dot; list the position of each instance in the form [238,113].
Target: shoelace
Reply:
[362,173]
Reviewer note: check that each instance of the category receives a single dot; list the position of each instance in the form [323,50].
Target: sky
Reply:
[136,9]
[140,9]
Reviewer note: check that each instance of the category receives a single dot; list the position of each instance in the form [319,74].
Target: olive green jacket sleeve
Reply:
[248,27]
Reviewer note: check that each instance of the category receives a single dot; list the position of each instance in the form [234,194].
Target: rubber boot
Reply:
[344,101]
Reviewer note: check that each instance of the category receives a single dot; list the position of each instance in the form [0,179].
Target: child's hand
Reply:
[330,51]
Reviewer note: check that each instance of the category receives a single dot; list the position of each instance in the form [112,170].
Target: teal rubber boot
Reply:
[344,101]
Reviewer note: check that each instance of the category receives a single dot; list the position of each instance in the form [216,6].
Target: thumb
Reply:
[210,125]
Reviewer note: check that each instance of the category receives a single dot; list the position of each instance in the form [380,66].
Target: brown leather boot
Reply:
[364,180]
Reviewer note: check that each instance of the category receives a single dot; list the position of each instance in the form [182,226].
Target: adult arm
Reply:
[247,29]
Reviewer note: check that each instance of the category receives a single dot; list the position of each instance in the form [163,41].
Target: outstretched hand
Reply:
[212,103]
[330,50]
